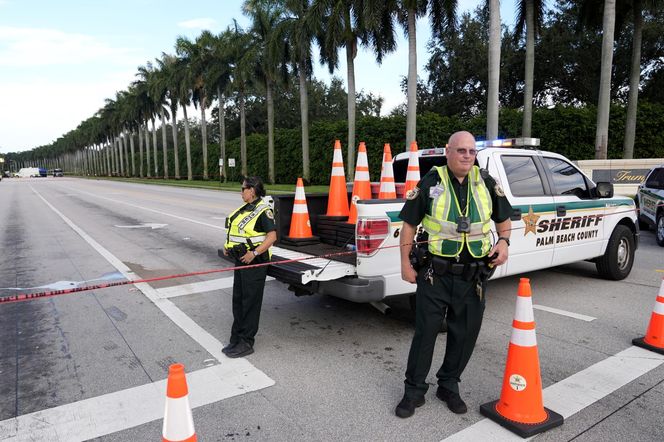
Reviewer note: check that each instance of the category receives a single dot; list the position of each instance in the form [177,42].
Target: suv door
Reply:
[651,202]
[579,228]
[529,193]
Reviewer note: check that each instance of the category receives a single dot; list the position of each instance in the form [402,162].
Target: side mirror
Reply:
[604,189]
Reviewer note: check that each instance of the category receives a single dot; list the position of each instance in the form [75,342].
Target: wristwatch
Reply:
[506,239]
[255,252]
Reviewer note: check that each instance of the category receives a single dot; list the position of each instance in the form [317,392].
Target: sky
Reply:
[60,59]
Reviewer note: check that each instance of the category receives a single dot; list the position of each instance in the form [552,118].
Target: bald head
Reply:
[459,157]
[462,139]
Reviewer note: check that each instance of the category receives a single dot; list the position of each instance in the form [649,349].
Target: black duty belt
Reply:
[468,271]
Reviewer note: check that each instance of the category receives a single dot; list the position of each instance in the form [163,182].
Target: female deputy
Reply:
[250,231]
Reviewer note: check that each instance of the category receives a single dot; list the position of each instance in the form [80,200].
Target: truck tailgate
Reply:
[306,270]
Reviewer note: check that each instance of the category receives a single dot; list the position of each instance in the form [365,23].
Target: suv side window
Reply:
[522,175]
[656,179]
[567,179]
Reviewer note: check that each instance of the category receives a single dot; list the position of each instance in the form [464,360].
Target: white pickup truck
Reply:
[560,216]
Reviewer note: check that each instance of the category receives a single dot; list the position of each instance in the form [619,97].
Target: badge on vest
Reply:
[412,194]
[436,191]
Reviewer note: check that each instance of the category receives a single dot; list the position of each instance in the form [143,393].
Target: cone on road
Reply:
[387,189]
[654,338]
[300,227]
[337,202]
[413,172]
[520,408]
[361,184]
[178,421]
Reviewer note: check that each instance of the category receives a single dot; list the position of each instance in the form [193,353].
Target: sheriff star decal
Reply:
[530,222]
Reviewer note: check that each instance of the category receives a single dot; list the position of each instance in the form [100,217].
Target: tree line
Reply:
[552,58]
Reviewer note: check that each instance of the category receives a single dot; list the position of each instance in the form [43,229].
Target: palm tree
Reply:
[170,77]
[493,104]
[270,51]
[184,94]
[348,24]
[530,16]
[443,19]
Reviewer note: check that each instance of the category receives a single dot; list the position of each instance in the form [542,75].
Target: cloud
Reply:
[199,23]
[31,47]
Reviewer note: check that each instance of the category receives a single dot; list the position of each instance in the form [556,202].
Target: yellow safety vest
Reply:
[241,226]
[441,225]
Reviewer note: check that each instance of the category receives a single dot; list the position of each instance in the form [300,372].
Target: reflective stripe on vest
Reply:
[441,225]
[242,227]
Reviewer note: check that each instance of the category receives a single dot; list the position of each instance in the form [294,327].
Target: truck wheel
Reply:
[659,233]
[413,305]
[619,256]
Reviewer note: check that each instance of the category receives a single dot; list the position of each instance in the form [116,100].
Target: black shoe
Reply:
[454,401]
[406,407]
[228,347]
[239,350]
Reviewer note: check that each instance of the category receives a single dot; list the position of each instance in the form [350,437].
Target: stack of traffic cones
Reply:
[361,184]
[300,227]
[387,189]
[413,172]
[654,338]
[178,421]
[520,407]
[337,202]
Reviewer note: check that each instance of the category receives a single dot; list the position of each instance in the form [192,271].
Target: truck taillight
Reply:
[370,234]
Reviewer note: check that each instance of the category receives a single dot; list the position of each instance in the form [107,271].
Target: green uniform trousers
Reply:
[465,309]
[248,285]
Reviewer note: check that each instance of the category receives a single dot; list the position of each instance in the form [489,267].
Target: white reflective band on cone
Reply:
[523,338]
[178,422]
[524,309]
[338,171]
[361,175]
[300,208]
[299,193]
[659,308]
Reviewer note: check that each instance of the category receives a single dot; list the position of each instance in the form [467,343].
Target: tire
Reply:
[617,261]
[659,230]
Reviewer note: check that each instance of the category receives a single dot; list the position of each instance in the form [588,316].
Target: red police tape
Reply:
[30,296]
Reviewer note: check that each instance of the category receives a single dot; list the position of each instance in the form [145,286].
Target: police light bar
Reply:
[509,142]
[433,151]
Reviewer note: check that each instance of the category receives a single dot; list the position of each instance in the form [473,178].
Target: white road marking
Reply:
[198,287]
[154,211]
[252,378]
[113,412]
[144,226]
[576,392]
[564,313]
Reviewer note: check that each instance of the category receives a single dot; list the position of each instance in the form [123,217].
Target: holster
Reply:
[419,255]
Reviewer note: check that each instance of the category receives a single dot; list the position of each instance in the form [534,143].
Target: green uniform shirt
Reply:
[414,209]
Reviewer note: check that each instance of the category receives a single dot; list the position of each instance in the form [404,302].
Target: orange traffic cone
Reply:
[654,338]
[413,173]
[337,203]
[300,227]
[178,421]
[387,189]
[520,407]
[361,184]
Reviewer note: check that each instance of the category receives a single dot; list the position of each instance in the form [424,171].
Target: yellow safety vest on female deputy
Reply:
[241,226]
[441,225]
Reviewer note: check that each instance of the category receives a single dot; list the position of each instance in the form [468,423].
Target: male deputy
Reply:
[455,204]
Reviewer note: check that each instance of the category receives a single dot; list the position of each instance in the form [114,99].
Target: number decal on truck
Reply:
[396,233]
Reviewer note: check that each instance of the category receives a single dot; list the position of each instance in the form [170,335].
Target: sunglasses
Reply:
[464,151]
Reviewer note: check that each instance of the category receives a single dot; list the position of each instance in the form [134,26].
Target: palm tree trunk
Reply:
[243,135]
[164,141]
[222,132]
[351,52]
[118,141]
[602,134]
[270,131]
[154,149]
[634,80]
[108,159]
[304,117]
[411,116]
[125,146]
[140,150]
[133,153]
[530,68]
[494,70]
[204,137]
[187,144]
[176,155]
[147,148]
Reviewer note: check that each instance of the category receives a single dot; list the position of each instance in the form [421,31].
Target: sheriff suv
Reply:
[650,201]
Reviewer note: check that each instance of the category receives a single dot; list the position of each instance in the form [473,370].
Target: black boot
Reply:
[453,400]
[406,407]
